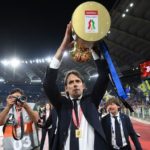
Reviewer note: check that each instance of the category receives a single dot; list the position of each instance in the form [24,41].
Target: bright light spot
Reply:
[43,61]
[127,10]
[36,81]
[48,59]
[123,15]
[109,32]
[37,61]
[2,80]
[131,4]
[65,54]
[5,62]
[31,61]
[15,62]
[94,76]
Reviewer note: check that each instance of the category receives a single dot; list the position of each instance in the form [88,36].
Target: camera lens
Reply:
[22,98]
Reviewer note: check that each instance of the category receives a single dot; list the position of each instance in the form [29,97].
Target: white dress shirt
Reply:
[86,142]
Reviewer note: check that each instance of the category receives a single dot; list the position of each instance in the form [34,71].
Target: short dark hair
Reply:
[74,72]
[112,100]
[16,90]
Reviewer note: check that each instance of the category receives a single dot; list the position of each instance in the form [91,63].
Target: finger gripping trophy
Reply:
[90,23]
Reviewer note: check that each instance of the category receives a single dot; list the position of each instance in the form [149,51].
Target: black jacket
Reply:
[89,105]
[50,122]
[127,128]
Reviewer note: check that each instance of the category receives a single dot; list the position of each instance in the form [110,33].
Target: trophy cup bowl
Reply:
[90,23]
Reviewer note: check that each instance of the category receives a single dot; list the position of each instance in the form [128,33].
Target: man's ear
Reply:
[66,89]
[84,87]
[119,107]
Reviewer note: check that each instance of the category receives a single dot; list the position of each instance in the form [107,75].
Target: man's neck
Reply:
[79,97]
[115,113]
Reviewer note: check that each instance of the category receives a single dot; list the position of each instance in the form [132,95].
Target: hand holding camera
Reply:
[19,100]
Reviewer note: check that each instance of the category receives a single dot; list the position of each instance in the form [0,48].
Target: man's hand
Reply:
[66,43]
[10,101]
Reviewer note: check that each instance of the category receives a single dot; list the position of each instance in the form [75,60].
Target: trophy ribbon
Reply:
[120,91]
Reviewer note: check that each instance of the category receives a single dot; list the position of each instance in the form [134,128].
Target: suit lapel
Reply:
[92,116]
[109,124]
[124,125]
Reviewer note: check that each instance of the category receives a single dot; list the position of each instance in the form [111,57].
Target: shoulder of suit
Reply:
[86,96]
[122,115]
[106,116]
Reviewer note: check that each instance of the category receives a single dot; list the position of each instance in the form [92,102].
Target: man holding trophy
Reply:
[79,127]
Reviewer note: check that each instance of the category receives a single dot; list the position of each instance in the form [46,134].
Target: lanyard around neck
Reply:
[74,117]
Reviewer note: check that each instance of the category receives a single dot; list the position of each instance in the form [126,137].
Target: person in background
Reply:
[48,125]
[118,127]
[79,127]
[18,119]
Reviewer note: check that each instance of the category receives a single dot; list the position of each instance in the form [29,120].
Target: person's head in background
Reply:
[48,106]
[113,106]
[74,84]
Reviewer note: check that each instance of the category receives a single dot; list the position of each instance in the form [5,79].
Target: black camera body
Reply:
[21,99]
[42,112]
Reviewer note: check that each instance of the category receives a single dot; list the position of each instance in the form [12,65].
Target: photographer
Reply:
[18,118]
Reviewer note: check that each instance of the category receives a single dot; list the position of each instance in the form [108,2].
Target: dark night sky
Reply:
[33,28]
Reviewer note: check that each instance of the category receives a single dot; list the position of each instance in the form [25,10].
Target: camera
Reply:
[42,112]
[21,99]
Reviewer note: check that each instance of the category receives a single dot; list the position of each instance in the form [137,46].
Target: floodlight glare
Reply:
[5,62]
[131,4]
[127,10]
[15,62]
[2,80]
[123,15]
[48,59]
[65,54]
[37,61]
[94,76]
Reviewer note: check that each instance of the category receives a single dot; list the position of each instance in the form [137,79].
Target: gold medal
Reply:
[78,133]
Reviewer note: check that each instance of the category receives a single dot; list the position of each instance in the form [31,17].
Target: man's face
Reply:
[74,86]
[113,108]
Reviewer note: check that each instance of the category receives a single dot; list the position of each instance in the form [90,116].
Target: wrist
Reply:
[24,105]
[8,106]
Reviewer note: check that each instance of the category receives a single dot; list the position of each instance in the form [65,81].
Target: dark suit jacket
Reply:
[51,121]
[89,105]
[127,128]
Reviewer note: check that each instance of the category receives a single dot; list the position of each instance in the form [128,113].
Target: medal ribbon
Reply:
[74,117]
